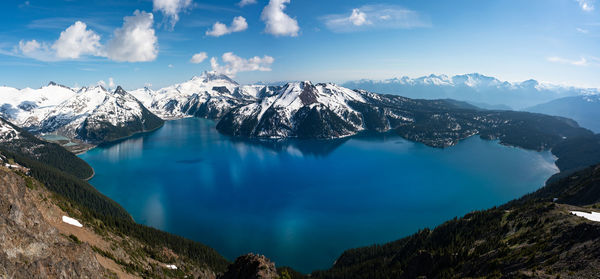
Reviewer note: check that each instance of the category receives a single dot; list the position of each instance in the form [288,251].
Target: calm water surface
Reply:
[302,203]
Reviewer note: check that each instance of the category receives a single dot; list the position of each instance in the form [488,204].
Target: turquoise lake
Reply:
[302,203]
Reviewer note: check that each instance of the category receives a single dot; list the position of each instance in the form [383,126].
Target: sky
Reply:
[157,43]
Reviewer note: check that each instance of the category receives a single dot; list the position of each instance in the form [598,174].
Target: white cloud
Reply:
[198,57]
[219,29]
[581,62]
[581,30]
[376,17]
[76,41]
[586,5]
[235,64]
[170,66]
[111,83]
[135,41]
[358,18]
[36,50]
[277,22]
[246,2]
[171,8]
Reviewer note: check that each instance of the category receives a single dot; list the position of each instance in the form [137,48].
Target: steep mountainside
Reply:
[32,247]
[584,109]
[297,110]
[474,88]
[531,237]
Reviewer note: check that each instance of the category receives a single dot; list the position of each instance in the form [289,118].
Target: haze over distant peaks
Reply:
[474,88]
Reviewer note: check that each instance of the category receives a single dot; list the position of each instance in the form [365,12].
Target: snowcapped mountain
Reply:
[8,132]
[94,114]
[210,95]
[474,88]
[299,109]
[26,107]
[91,114]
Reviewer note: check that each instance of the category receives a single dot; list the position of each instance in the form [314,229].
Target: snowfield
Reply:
[71,221]
[594,216]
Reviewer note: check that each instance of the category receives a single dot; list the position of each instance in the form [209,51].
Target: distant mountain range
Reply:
[488,92]
[584,109]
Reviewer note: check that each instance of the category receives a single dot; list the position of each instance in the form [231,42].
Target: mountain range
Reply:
[92,114]
[485,91]
[585,109]
[296,109]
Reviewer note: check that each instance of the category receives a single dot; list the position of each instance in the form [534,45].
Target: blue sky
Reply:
[335,40]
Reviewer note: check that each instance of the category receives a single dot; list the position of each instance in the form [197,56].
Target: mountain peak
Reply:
[120,90]
[52,83]
[209,76]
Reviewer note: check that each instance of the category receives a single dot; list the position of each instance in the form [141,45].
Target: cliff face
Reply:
[30,247]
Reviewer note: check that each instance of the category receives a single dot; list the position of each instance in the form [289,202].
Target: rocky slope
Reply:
[251,266]
[31,247]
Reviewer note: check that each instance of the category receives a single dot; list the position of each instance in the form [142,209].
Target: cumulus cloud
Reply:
[171,8]
[246,2]
[376,17]
[234,64]
[277,22]
[36,50]
[135,41]
[219,29]
[76,41]
[198,57]
[581,62]
[586,5]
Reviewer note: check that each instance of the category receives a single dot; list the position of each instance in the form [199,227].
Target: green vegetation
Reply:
[47,153]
